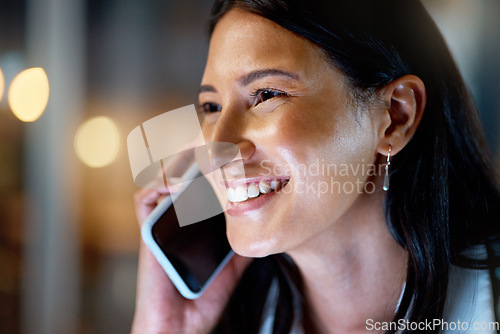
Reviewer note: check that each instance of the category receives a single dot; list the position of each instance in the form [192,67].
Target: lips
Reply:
[244,206]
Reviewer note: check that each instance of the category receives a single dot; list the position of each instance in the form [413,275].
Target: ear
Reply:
[405,99]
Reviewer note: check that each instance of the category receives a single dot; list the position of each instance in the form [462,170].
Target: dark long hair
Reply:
[443,198]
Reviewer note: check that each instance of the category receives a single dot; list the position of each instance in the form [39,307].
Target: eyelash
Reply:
[210,108]
[257,96]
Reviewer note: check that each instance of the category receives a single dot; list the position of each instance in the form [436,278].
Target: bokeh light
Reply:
[97,142]
[2,84]
[29,94]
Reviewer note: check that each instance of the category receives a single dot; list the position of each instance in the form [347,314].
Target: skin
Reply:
[352,267]
[316,123]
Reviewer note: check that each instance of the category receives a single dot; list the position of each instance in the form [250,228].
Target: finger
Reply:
[146,200]
[149,197]
[156,294]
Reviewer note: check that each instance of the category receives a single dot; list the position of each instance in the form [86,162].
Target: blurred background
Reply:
[68,233]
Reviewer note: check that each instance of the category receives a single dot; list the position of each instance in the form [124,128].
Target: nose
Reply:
[228,141]
[222,153]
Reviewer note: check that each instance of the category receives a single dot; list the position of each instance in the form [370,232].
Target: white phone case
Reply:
[147,236]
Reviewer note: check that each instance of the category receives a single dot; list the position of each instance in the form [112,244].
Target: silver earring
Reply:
[386,177]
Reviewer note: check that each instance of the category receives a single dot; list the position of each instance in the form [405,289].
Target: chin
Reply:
[252,246]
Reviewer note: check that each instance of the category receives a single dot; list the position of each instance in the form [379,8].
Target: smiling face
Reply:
[289,111]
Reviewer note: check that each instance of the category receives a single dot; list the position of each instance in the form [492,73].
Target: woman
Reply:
[307,90]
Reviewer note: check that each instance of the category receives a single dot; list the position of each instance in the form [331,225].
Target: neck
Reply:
[352,272]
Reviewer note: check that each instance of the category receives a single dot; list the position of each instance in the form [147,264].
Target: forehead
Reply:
[243,40]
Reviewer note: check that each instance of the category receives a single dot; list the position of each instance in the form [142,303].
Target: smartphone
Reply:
[194,254]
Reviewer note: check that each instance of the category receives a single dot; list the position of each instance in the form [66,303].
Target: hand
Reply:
[159,306]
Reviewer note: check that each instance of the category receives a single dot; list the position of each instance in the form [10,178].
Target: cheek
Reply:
[306,134]
[331,154]
[326,150]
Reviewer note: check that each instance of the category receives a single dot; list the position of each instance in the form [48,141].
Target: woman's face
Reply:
[289,112]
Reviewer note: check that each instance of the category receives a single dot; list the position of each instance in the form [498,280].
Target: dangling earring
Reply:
[386,177]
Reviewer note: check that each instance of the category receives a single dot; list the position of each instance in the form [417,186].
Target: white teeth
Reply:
[230,195]
[275,184]
[240,194]
[253,191]
[264,187]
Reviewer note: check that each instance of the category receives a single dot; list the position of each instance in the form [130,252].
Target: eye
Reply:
[210,107]
[262,95]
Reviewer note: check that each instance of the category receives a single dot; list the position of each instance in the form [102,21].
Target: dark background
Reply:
[68,233]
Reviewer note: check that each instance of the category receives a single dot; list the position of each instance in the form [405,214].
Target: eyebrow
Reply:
[259,74]
[207,88]
[251,77]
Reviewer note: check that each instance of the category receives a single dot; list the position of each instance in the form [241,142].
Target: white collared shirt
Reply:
[470,300]
[469,306]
